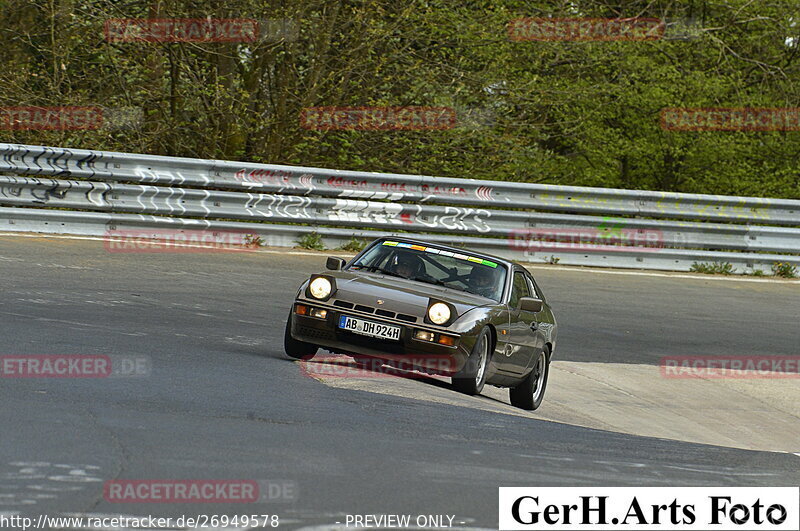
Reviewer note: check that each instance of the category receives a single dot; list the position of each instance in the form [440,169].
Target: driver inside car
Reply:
[481,282]
[407,265]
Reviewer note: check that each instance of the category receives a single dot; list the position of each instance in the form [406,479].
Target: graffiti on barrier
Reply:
[458,218]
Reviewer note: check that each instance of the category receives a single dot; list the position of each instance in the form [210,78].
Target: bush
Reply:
[354,245]
[784,269]
[311,241]
[253,240]
[712,268]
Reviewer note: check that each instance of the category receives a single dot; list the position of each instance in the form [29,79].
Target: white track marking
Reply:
[585,269]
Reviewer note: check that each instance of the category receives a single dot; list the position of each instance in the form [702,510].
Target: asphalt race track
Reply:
[221,401]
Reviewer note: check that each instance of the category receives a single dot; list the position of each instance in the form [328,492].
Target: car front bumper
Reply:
[407,351]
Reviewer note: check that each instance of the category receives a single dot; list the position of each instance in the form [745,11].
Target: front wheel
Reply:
[294,348]
[530,393]
[472,377]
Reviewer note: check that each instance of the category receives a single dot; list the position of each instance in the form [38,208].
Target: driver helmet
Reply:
[482,280]
[406,264]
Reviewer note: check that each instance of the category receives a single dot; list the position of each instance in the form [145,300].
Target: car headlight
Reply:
[320,288]
[439,313]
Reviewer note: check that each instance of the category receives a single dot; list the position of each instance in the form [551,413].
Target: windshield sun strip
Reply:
[433,250]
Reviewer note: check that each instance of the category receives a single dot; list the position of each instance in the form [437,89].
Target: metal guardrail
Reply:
[281,203]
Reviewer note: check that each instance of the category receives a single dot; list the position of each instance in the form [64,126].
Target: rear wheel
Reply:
[294,348]
[530,393]
[472,377]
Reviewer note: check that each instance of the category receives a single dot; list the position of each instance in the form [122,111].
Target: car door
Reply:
[537,328]
[522,327]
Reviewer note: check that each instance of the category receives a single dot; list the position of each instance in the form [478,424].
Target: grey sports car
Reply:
[470,316]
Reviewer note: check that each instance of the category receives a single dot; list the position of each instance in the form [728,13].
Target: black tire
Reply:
[471,379]
[299,350]
[530,393]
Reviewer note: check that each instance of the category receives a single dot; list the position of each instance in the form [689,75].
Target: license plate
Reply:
[369,328]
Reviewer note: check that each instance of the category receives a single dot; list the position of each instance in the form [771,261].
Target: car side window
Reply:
[532,287]
[519,289]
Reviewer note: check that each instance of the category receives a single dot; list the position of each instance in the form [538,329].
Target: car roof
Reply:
[491,257]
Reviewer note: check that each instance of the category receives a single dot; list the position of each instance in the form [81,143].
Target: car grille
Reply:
[315,333]
[376,311]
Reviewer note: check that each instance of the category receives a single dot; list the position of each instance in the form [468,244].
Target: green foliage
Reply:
[784,269]
[551,112]
[253,240]
[354,245]
[712,268]
[311,241]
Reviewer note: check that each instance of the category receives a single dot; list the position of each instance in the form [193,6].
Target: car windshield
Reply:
[431,265]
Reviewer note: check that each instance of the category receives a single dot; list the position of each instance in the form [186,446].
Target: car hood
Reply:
[400,295]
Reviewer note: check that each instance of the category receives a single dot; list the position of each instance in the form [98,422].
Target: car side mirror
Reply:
[334,264]
[529,304]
